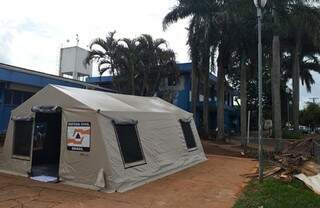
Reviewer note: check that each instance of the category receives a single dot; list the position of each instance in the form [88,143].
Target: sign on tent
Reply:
[79,136]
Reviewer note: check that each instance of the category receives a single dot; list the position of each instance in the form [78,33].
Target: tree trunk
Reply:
[296,81]
[275,80]
[243,98]
[132,80]
[144,91]
[220,97]
[275,88]
[205,69]
[194,89]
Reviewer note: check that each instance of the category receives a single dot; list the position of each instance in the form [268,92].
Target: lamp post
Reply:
[260,4]
[289,102]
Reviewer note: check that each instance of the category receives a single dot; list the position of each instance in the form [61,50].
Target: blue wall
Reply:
[24,77]
[183,96]
[232,115]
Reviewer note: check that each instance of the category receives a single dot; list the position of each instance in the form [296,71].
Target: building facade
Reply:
[179,93]
[18,84]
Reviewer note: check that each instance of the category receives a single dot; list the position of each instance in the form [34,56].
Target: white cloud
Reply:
[34,30]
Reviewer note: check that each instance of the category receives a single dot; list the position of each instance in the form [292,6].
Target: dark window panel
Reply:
[22,138]
[188,134]
[129,143]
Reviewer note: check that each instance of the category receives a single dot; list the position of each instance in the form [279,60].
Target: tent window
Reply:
[129,145]
[188,135]
[22,138]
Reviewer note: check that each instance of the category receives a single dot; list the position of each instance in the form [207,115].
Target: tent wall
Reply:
[163,145]
[7,162]
[84,167]
[75,167]
[159,129]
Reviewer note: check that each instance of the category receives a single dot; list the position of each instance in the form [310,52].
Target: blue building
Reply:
[179,93]
[18,84]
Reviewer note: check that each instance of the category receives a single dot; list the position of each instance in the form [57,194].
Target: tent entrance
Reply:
[46,144]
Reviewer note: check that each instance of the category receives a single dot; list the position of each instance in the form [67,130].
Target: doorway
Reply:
[46,144]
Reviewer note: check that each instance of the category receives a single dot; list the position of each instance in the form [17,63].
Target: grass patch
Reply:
[273,193]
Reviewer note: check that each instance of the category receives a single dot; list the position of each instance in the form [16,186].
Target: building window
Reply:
[172,81]
[26,96]
[129,145]
[188,135]
[22,138]
[13,97]
[17,98]
[7,97]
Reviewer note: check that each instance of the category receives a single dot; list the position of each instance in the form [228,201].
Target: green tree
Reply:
[128,59]
[103,52]
[304,25]
[310,115]
[143,62]
[201,42]
[156,62]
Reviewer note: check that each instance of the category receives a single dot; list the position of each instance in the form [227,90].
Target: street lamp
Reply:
[289,102]
[260,4]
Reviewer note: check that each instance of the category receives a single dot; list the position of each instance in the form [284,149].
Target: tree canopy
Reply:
[138,66]
[310,115]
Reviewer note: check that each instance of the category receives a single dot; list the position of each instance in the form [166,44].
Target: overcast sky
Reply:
[33,31]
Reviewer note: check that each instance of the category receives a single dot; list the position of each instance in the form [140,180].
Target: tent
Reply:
[99,140]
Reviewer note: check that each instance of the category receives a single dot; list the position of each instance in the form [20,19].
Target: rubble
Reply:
[298,157]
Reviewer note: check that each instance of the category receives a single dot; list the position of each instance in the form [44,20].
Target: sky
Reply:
[32,32]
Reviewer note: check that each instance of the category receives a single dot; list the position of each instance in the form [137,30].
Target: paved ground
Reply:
[214,183]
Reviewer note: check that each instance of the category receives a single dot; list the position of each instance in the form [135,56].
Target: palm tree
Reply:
[142,62]
[304,23]
[129,58]
[275,73]
[201,39]
[153,60]
[103,52]
[193,42]
[184,9]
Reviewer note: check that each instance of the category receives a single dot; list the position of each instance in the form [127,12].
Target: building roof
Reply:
[39,79]
[185,68]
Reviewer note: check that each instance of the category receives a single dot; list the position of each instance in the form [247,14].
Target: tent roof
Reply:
[106,101]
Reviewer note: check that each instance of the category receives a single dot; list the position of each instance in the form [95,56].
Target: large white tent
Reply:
[99,140]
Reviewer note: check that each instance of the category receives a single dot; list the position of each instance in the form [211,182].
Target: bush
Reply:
[291,134]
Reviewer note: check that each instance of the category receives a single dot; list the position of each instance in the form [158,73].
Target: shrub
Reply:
[291,134]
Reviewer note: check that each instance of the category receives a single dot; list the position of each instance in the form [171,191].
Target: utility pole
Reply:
[314,99]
